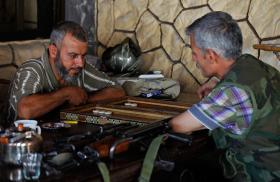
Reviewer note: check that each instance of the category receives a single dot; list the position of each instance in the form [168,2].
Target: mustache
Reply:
[77,69]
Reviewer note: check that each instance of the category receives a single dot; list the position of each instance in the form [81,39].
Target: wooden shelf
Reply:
[267,47]
[275,48]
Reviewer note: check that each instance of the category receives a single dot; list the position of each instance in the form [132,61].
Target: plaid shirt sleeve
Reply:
[220,106]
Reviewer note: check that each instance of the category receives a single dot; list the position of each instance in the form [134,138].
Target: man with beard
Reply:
[241,107]
[60,75]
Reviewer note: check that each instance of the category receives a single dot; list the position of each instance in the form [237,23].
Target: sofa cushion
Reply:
[14,53]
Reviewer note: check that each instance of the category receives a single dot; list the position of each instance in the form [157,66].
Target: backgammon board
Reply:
[134,110]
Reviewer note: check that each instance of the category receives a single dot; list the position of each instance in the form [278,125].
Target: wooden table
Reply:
[124,167]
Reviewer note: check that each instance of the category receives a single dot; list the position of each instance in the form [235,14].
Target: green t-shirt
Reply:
[36,76]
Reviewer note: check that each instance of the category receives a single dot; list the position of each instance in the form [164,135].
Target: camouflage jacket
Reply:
[254,155]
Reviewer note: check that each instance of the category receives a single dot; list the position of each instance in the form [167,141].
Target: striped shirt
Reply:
[220,107]
[36,76]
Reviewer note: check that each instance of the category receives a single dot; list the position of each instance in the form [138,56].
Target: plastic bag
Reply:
[154,88]
[122,58]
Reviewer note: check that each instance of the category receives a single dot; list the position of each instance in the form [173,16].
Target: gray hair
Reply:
[219,32]
[59,32]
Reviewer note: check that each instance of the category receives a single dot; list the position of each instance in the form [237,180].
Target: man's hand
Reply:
[207,87]
[106,93]
[75,95]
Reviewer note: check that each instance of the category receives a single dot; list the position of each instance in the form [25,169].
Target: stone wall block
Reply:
[186,17]
[118,37]
[6,54]
[266,20]
[249,39]
[188,3]
[105,20]
[237,9]
[188,84]
[156,60]
[269,57]
[7,72]
[128,12]
[171,42]
[191,65]
[165,10]
[27,49]
[148,32]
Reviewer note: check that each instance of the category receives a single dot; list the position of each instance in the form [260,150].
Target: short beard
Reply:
[63,73]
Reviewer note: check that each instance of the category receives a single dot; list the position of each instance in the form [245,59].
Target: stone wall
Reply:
[157,26]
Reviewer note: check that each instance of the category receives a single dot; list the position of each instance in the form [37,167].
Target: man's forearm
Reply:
[36,105]
[106,93]
[185,122]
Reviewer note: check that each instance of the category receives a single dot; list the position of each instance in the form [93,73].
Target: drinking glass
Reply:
[31,163]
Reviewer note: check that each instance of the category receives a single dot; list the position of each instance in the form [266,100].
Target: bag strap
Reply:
[148,164]
[104,171]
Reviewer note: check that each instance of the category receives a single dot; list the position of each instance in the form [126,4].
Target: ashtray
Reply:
[55,126]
